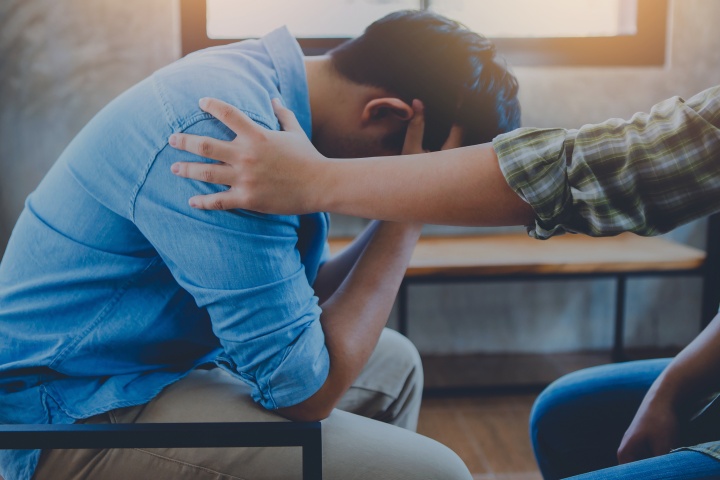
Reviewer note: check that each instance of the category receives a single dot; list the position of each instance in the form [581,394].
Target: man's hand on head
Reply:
[416,129]
[455,138]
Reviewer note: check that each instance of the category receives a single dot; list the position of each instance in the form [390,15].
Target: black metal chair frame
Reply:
[306,435]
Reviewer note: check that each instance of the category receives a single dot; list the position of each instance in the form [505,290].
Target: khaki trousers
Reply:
[369,436]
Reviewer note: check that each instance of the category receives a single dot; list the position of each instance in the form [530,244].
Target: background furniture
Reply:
[516,257]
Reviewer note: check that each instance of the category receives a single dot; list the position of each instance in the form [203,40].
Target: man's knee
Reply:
[357,447]
[443,464]
[414,457]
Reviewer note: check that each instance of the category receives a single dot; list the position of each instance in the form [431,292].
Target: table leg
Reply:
[618,352]
[711,272]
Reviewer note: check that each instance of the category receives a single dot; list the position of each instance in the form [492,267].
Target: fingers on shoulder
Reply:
[287,118]
[228,114]
[227,200]
[205,172]
[200,145]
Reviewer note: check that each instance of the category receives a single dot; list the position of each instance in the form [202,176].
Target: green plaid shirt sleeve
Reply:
[646,175]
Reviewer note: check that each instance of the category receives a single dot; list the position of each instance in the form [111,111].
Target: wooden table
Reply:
[517,257]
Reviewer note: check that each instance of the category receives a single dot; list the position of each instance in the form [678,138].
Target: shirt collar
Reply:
[289,64]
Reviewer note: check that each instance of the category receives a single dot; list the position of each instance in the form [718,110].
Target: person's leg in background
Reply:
[682,465]
[354,447]
[577,424]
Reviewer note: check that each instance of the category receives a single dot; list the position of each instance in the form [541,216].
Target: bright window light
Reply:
[304,18]
[493,18]
[543,18]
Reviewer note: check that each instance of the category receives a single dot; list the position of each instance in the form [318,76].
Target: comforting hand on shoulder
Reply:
[267,171]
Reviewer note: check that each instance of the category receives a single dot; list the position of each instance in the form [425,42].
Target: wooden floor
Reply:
[489,432]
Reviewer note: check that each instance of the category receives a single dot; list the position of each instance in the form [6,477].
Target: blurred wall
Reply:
[572,315]
[61,61]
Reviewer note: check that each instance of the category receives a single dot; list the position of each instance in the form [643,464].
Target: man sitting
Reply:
[118,300]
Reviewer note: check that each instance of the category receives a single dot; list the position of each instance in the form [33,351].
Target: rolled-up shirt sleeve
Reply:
[246,270]
[646,175]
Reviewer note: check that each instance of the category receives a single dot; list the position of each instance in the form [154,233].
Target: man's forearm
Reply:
[335,270]
[463,186]
[355,315]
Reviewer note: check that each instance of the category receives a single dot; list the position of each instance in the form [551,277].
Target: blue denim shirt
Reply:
[112,287]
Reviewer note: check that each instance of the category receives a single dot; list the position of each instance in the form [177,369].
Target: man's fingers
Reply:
[204,146]
[205,172]
[416,129]
[288,120]
[233,118]
[454,139]
[214,201]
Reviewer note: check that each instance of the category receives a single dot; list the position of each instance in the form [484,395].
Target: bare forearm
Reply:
[673,398]
[456,186]
[695,372]
[356,313]
[463,186]
[335,270]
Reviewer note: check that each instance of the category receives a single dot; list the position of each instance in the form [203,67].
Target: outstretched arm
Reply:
[463,186]
[647,175]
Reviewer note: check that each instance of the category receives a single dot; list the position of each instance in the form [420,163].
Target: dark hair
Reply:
[454,71]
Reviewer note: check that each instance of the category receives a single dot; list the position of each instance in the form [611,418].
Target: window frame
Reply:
[647,47]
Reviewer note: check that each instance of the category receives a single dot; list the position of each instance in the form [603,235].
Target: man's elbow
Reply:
[306,413]
[321,404]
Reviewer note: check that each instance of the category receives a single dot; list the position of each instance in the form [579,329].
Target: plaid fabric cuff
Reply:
[534,163]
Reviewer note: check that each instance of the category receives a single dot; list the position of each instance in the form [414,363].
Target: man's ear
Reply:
[379,109]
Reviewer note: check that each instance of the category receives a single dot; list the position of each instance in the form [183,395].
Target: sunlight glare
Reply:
[492,18]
